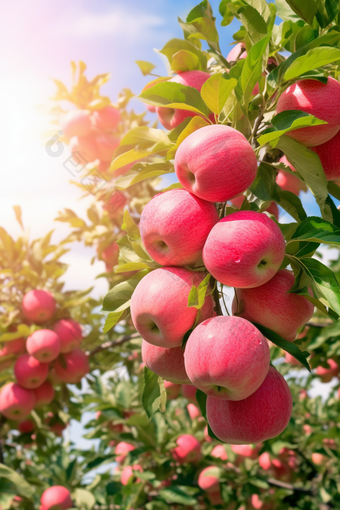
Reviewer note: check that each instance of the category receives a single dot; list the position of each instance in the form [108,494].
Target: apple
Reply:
[70,334]
[216,499]
[165,362]
[327,374]
[264,461]
[227,357]
[44,394]
[172,389]
[289,182]
[272,306]
[38,305]
[216,163]
[122,449]
[106,145]
[29,372]
[209,479]
[293,361]
[263,415]
[244,249]
[219,452]
[329,154]
[189,392]
[26,426]
[238,52]
[76,123]
[207,438]
[174,226]
[77,366]
[246,450]
[318,458]
[84,149]
[17,346]
[128,473]
[56,498]
[193,411]
[105,119]
[16,403]
[159,308]
[44,345]
[319,99]
[188,449]
[110,256]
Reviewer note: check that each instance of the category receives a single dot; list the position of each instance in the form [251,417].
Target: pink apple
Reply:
[17,346]
[263,415]
[159,308]
[38,305]
[70,334]
[175,225]
[188,449]
[29,372]
[84,149]
[319,99]
[44,394]
[122,449]
[129,472]
[77,366]
[106,145]
[106,119]
[165,362]
[193,411]
[272,306]
[16,402]
[207,438]
[76,123]
[189,392]
[264,461]
[227,357]
[244,249]
[289,182]
[238,52]
[246,450]
[26,426]
[327,374]
[209,479]
[56,498]
[219,452]
[44,345]
[329,154]
[172,389]
[318,458]
[219,151]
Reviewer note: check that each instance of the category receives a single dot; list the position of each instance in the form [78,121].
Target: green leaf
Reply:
[143,172]
[284,11]
[23,487]
[305,10]
[284,344]
[197,295]
[252,20]
[18,215]
[154,393]
[185,60]
[175,45]
[177,495]
[194,124]
[130,226]
[145,137]
[84,499]
[226,13]
[119,295]
[318,230]
[317,57]
[145,67]
[112,320]
[216,90]
[202,10]
[291,204]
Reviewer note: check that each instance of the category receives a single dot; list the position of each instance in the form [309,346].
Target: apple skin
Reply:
[70,334]
[76,123]
[38,305]
[159,308]
[128,472]
[327,374]
[188,449]
[172,389]
[105,119]
[165,362]
[219,151]
[106,145]
[16,403]
[171,118]
[44,394]
[329,154]
[263,415]
[174,226]
[189,392]
[219,452]
[77,367]
[56,498]
[227,357]
[272,306]
[208,479]
[44,345]
[244,249]
[237,52]
[29,372]
[264,461]
[193,411]
[272,208]
[17,346]
[84,148]
[319,99]
[122,449]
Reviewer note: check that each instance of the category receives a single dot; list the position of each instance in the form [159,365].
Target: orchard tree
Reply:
[199,404]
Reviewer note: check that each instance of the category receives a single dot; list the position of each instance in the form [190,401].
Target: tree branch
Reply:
[284,485]
[108,345]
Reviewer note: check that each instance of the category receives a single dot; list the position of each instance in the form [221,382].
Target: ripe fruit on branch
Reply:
[128,472]
[26,426]
[77,366]
[327,374]
[219,452]
[174,226]
[227,357]
[38,305]
[263,415]
[106,145]
[170,117]
[44,394]
[188,449]
[244,249]
[172,389]
[319,99]
[189,392]
[165,362]
[122,449]
[44,345]
[265,461]
[238,52]
[193,411]
[16,402]
[272,306]
[56,498]
[29,372]
[76,123]
[17,346]
[105,119]
[246,450]
[84,149]
[289,182]
[70,334]
[159,308]
[329,154]
[209,479]
[216,163]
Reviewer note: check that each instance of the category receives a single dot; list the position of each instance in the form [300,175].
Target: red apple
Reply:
[44,394]
[77,366]
[122,449]
[189,392]
[188,449]
[56,498]
[238,52]
[193,411]
[327,374]
[105,119]
[264,461]
[29,372]
[76,123]
[70,334]
[209,479]
[329,154]
[165,362]
[289,182]
[38,305]
[246,450]
[129,472]
[172,389]
[84,149]
[219,452]
[44,345]
[318,459]
[26,426]
[17,346]
[16,402]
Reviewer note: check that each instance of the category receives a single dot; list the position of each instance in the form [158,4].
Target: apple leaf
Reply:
[291,204]
[154,393]
[145,67]
[185,60]
[194,124]
[173,46]
[23,487]
[313,231]
[130,226]
[216,90]
[84,499]
[317,57]
[145,137]
[120,294]
[226,13]
[197,295]
[142,172]
[305,10]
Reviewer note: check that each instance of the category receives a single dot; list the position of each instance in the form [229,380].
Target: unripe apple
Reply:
[77,366]
[38,305]
[264,461]
[263,415]
[26,426]
[44,394]
[329,154]
[209,479]
[219,151]
[272,306]
[84,148]
[189,392]
[170,117]
[193,411]
[29,372]
[318,458]
[219,452]
[319,99]
[289,182]
[227,357]
[165,362]
[244,249]
[70,334]
[172,389]
[327,374]
[106,145]
[16,403]
[128,472]
[44,345]
[105,119]
[76,123]
[17,346]
[174,226]
[159,308]
[122,449]
[56,498]
[188,449]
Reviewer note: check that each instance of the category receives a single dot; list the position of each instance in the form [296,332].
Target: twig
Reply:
[108,345]
[284,485]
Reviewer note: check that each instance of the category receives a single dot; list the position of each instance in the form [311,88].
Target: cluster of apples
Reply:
[57,348]
[56,497]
